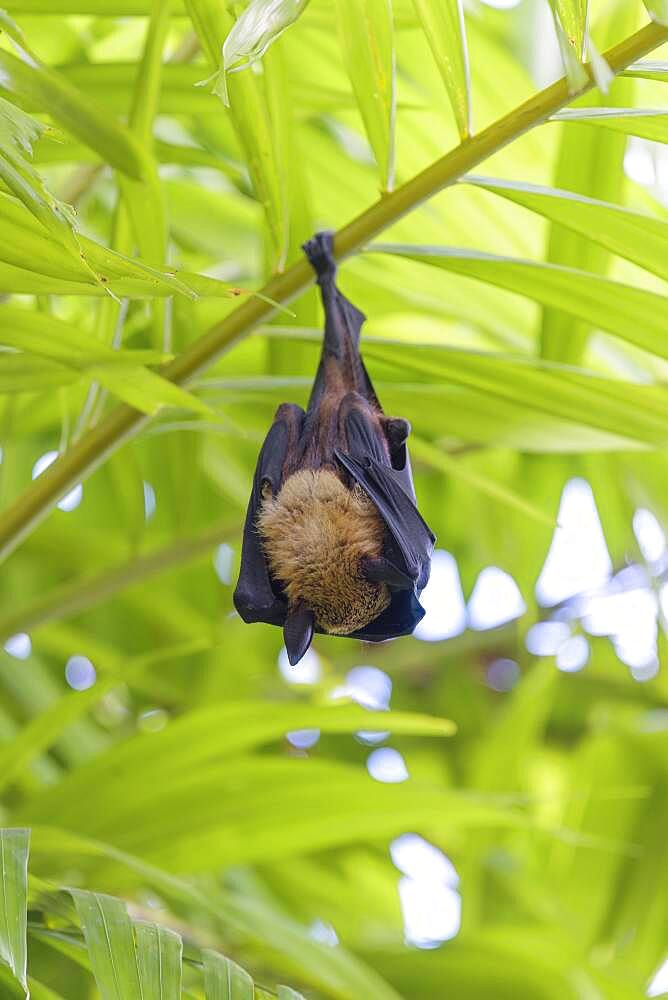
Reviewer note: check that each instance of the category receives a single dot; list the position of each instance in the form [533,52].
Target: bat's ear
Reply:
[381,570]
[298,632]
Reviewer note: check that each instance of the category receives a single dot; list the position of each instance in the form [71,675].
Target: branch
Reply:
[28,510]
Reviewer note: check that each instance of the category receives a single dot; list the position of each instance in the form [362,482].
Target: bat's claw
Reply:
[397,430]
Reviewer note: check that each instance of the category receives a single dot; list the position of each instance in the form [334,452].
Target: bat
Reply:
[333,540]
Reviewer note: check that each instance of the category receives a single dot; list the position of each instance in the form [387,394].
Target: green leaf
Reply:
[46,336]
[645,123]
[120,371]
[83,593]
[501,962]
[657,10]
[571,42]
[589,162]
[635,236]
[250,110]
[648,70]
[256,28]
[110,941]
[38,991]
[443,24]
[285,993]
[438,459]
[149,74]
[21,373]
[28,78]
[183,92]
[572,15]
[602,763]
[333,970]
[146,390]
[144,199]
[194,822]
[224,730]
[224,979]
[211,26]
[600,68]
[500,762]
[563,391]
[159,960]
[98,8]
[631,313]
[18,132]
[433,384]
[14,847]
[40,87]
[366,29]
[19,281]
[45,728]
[26,245]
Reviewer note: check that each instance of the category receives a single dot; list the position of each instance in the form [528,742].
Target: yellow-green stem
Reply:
[122,423]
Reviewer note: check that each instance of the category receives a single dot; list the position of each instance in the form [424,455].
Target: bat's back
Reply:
[341,371]
[341,368]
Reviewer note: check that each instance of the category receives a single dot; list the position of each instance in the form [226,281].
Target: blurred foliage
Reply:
[518,319]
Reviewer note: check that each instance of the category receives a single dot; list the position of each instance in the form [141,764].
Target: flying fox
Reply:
[333,541]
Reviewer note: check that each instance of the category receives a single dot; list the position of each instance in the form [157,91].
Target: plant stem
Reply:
[28,510]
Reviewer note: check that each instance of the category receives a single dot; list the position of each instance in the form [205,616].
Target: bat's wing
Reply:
[254,598]
[399,618]
[410,541]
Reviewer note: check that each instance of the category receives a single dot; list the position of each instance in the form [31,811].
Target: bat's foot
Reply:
[397,430]
[319,251]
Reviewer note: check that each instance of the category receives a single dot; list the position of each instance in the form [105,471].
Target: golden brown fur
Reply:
[315,534]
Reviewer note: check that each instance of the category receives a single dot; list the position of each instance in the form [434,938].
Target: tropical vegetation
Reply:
[477,811]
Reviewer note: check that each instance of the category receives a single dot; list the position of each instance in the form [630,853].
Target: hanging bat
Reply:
[333,541]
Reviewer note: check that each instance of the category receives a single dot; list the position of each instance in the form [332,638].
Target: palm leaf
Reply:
[366,29]
[14,846]
[110,942]
[443,25]
[631,313]
[646,123]
[224,979]
[39,86]
[636,236]
[159,959]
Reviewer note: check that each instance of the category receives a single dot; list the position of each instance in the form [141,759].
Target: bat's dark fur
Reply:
[333,540]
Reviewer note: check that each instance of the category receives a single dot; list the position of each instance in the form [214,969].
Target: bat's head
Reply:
[317,536]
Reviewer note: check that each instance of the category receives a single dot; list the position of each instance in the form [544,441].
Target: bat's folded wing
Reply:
[409,545]
[399,618]
[254,598]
